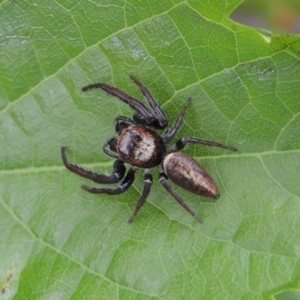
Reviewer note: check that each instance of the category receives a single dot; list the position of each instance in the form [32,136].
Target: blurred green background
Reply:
[279,16]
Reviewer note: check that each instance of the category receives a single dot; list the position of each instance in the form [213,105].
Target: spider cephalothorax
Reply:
[140,146]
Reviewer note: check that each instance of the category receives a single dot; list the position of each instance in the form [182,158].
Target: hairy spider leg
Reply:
[124,119]
[122,123]
[109,148]
[180,144]
[163,180]
[118,173]
[148,180]
[126,183]
[136,105]
[169,134]
[161,117]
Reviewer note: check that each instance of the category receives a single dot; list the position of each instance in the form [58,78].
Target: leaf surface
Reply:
[59,242]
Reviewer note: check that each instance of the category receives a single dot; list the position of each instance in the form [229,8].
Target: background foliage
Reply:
[59,242]
[276,15]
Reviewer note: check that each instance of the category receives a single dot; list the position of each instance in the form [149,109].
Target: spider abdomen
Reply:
[140,147]
[188,174]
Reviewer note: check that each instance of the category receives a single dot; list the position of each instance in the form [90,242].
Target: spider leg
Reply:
[191,140]
[148,180]
[139,107]
[118,173]
[169,134]
[109,148]
[162,119]
[126,183]
[163,180]
[123,122]
[139,119]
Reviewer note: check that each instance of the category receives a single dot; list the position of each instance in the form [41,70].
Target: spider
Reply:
[141,147]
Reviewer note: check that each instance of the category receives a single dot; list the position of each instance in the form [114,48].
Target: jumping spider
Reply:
[143,148]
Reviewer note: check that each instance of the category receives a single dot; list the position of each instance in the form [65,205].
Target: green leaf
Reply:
[60,242]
